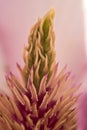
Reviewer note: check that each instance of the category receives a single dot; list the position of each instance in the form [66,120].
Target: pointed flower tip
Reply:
[56,67]
[6,77]
[49,15]
[11,74]
[17,65]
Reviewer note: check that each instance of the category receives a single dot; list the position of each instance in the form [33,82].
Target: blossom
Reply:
[42,99]
[69,27]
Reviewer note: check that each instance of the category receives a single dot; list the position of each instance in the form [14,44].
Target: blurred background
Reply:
[70,25]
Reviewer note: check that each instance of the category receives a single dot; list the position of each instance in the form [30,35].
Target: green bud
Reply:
[40,53]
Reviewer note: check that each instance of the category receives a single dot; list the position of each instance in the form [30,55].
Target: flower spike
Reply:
[43,99]
[40,52]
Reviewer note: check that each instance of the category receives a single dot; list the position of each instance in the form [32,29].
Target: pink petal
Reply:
[82,113]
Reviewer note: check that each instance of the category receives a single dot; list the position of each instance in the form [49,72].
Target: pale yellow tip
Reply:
[50,14]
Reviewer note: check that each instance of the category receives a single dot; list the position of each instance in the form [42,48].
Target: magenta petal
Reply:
[82,113]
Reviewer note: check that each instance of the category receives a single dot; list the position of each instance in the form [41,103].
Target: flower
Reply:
[43,99]
[69,27]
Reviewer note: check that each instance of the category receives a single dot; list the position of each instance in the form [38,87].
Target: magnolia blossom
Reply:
[69,25]
[43,99]
[70,33]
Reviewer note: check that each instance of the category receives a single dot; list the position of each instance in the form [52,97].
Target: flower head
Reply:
[43,100]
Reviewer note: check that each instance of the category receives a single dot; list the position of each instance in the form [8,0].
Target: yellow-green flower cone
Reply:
[40,53]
